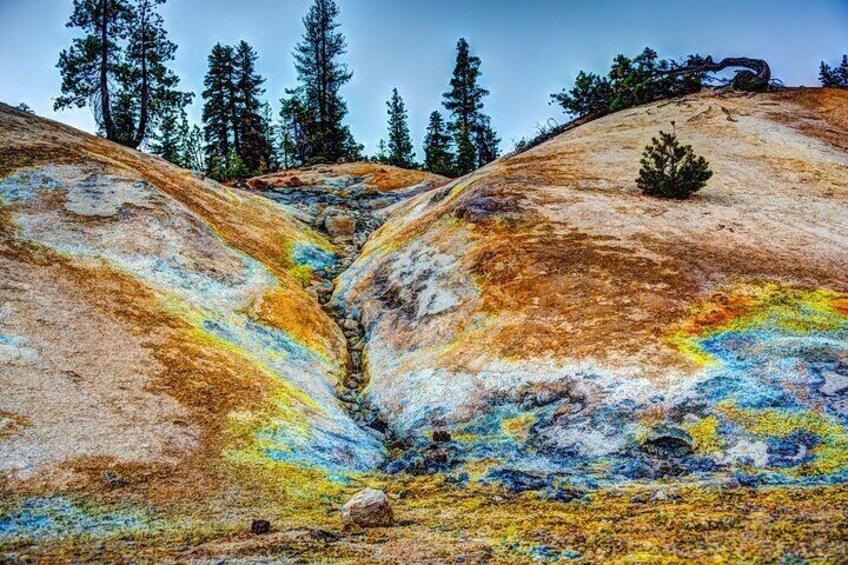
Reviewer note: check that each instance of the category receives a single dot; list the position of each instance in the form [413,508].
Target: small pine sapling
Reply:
[670,169]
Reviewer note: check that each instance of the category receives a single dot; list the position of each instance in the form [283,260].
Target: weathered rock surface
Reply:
[147,315]
[340,227]
[548,315]
[369,508]
[177,356]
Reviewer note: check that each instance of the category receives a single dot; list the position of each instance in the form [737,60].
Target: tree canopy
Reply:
[321,74]
[118,67]
[400,152]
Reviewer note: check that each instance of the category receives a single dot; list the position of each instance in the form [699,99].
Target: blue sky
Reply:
[529,48]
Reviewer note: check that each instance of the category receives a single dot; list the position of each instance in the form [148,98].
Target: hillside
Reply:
[156,340]
[535,362]
[549,316]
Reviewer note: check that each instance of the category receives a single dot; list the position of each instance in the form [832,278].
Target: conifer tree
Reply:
[465,101]
[151,83]
[630,82]
[217,109]
[249,130]
[90,65]
[437,155]
[293,130]
[191,145]
[166,140]
[177,141]
[400,149]
[834,77]
[271,135]
[119,67]
[321,74]
[672,170]
[466,152]
[487,141]
[382,155]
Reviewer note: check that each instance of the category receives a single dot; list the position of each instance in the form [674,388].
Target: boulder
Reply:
[368,508]
[340,227]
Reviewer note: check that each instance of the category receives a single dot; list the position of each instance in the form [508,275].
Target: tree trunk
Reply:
[105,106]
[145,86]
[755,78]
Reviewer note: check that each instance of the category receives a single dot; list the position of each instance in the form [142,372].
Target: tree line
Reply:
[119,68]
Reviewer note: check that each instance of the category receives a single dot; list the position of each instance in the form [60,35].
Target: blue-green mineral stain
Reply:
[311,256]
[58,516]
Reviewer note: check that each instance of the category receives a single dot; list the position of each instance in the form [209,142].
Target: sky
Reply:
[529,48]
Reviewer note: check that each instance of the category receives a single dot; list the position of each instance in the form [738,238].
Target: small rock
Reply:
[113,480]
[441,436]
[565,494]
[659,496]
[666,441]
[350,324]
[834,384]
[368,508]
[260,527]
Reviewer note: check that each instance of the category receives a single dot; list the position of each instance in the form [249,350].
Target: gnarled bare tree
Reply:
[756,76]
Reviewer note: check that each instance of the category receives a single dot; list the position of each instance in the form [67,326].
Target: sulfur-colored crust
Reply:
[558,256]
[157,348]
[377,177]
[161,418]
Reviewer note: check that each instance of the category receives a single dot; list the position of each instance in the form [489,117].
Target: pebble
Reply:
[260,527]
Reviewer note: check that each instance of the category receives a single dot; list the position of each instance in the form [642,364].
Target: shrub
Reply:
[672,170]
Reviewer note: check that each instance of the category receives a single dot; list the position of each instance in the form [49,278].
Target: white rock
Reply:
[368,508]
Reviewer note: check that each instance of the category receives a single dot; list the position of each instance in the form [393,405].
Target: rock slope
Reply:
[153,320]
[547,318]
[533,363]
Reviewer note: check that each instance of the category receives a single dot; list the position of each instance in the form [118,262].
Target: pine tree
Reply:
[295,128]
[235,168]
[191,145]
[437,155]
[172,136]
[382,155]
[672,170]
[271,134]
[834,77]
[321,75]
[217,109]
[466,151]
[487,141]
[152,83]
[630,82]
[166,140]
[465,101]
[119,67]
[249,131]
[91,64]
[401,153]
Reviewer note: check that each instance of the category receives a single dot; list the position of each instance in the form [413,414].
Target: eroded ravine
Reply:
[352,387]
[348,216]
